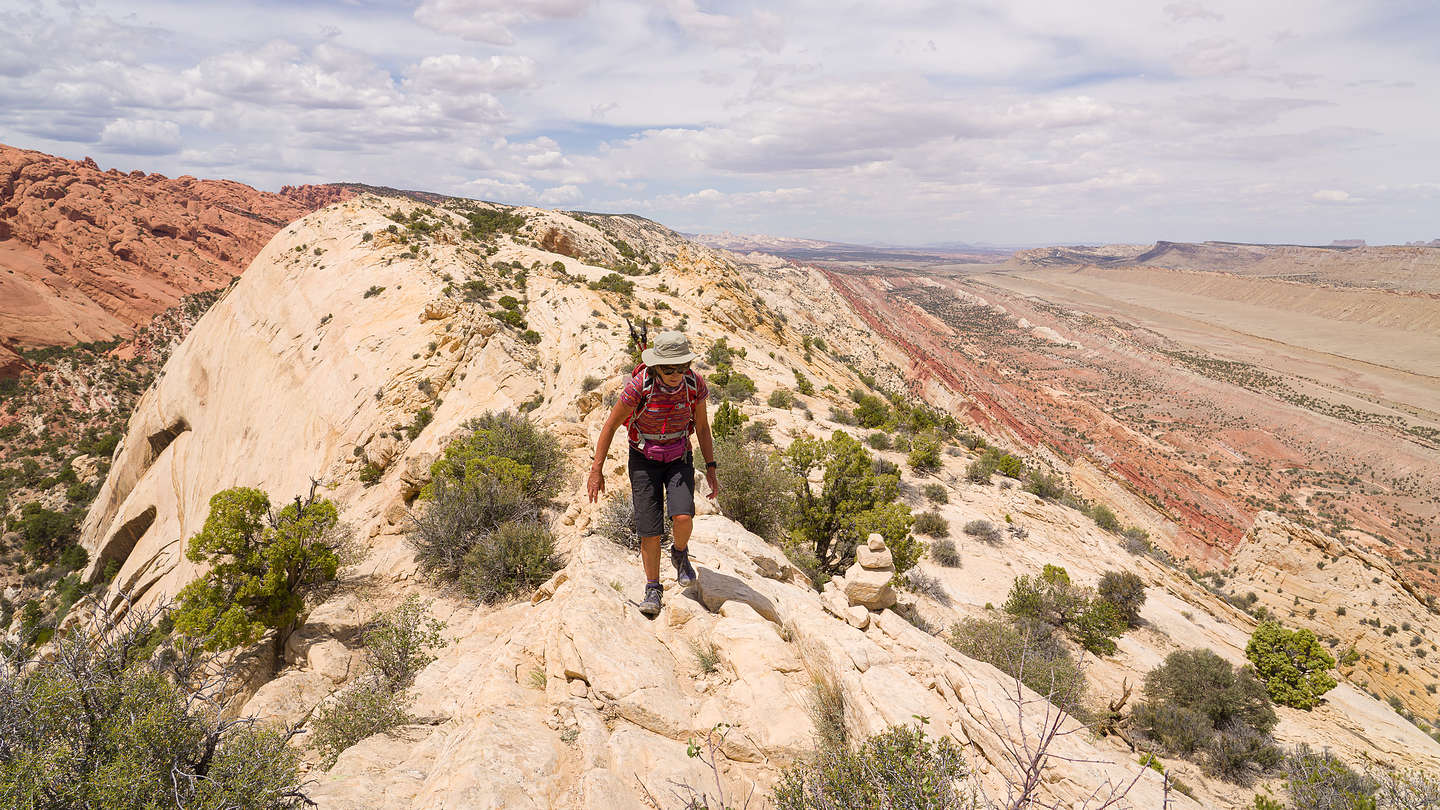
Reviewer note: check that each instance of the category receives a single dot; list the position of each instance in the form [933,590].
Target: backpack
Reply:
[692,395]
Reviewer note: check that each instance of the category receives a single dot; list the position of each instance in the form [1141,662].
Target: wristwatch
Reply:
[710,465]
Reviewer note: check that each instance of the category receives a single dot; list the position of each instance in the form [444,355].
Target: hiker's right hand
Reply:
[596,485]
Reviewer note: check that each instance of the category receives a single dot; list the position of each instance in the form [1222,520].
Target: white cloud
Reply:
[454,73]
[141,137]
[491,20]
[1188,10]
[497,190]
[1331,195]
[1021,121]
[1213,56]
[759,28]
[561,195]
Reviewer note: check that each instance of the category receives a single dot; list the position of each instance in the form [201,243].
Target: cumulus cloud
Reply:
[498,190]
[1331,195]
[454,73]
[281,73]
[561,195]
[1025,121]
[141,137]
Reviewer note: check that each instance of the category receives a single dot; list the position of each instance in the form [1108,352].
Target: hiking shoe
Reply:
[684,571]
[651,606]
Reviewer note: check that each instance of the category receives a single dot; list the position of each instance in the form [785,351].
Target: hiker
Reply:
[662,404]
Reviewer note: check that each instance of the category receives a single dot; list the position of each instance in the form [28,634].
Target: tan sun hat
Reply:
[669,349]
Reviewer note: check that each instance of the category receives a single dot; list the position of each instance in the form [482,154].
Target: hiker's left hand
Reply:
[713,481]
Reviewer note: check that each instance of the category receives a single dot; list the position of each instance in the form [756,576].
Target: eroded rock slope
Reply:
[345,349]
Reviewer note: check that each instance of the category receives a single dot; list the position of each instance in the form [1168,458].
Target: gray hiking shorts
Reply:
[660,488]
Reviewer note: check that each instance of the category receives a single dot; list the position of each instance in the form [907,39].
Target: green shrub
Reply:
[1293,664]
[1052,601]
[1174,728]
[932,524]
[871,411]
[101,724]
[374,290]
[1097,626]
[756,490]
[803,384]
[488,222]
[423,418]
[261,566]
[1009,466]
[943,551]
[510,317]
[399,643]
[1137,540]
[781,398]
[924,459]
[44,532]
[1035,657]
[1237,754]
[899,767]
[362,709]
[614,282]
[503,469]
[853,501]
[728,419]
[1126,591]
[979,471]
[516,556]
[1045,486]
[739,387]
[879,440]
[935,493]
[1204,682]
[1105,518]
[590,383]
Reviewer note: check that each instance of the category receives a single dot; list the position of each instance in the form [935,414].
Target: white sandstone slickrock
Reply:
[246,400]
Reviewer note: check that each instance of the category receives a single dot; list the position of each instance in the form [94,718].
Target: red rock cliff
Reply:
[87,254]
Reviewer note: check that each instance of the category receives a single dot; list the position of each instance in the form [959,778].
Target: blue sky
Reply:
[1014,122]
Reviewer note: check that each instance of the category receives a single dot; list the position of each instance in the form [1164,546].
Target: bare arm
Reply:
[707,444]
[618,414]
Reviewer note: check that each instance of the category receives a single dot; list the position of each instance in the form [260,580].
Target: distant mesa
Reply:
[1348,243]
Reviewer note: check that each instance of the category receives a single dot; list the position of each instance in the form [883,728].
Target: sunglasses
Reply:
[670,370]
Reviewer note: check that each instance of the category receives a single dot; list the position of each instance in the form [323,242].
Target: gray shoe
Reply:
[651,606]
[684,571]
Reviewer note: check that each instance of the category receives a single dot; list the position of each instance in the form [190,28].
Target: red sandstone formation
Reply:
[87,254]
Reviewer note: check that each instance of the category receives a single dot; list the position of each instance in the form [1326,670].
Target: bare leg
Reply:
[680,525]
[650,556]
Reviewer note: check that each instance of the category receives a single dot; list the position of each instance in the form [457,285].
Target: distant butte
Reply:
[87,254]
